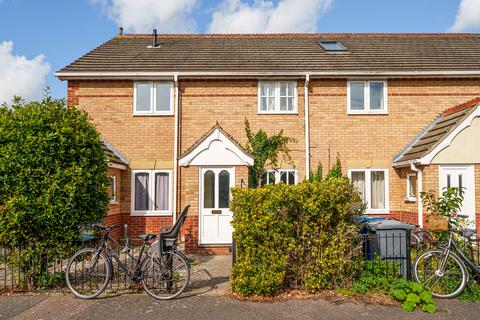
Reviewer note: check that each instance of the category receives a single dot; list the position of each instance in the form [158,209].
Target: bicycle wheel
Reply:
[415,241]
[88,273]
[166,277]
[446,283]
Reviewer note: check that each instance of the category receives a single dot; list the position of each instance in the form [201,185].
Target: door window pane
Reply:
[141,191]
[143,97]
[376,96]
[358,180]
[209,189]
[357,97]
[460,184]
[378,190]
[161,191]
[291,177]
[271,177]
[163,92]
[223,189]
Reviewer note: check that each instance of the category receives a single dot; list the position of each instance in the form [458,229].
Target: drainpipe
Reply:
[175,148]
[419,190]
[307,130]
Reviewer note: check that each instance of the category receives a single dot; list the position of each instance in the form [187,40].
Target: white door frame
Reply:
[201,170]
[469,180]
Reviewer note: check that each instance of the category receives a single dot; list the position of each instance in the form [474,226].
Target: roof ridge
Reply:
[299,35]
[465,105]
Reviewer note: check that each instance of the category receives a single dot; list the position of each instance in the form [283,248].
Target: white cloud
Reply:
[20,76]
[262,16]
[468,16]
[141,16]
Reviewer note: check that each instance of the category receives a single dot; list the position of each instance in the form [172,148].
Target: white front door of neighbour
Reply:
[462,177]
[215,216]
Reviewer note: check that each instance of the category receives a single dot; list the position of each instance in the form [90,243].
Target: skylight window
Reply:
[332,46]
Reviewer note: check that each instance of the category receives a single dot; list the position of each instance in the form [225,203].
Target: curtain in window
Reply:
[112,188]
[161,191]
[378,190]
[358,180]
[141,191]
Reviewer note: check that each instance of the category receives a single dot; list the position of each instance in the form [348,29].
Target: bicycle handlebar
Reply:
[103,227]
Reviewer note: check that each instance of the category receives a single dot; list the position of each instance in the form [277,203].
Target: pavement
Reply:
[208,299]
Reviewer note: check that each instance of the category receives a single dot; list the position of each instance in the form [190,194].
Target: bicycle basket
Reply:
[87,233]
[437,223]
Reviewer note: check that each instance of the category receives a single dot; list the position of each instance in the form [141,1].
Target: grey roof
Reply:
[113,155]
[436,132]
[283,52]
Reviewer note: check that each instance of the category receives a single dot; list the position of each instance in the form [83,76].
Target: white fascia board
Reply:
[256,74]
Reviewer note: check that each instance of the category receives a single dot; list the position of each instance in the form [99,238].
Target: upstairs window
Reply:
[367,97]
[153,98]
[277,97]
[287,176]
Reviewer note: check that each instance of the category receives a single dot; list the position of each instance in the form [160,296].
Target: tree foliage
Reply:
[265,149]
[53,174]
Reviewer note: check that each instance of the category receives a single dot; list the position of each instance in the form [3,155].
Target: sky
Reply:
[38,38]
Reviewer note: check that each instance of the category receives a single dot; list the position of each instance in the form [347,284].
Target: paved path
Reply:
[139,306]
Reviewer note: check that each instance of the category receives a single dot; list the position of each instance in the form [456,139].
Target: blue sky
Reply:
[61,31]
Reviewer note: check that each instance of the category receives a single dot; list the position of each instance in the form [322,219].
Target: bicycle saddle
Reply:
[147,237]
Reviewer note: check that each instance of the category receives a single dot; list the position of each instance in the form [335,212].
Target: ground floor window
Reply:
[411,187]
[151,192]
[372,185]
[287,176]
[113,189]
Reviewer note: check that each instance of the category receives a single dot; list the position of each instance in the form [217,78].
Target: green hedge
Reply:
[295,236]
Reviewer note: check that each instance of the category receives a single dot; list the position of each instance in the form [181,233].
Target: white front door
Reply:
[215,216]
[462,177]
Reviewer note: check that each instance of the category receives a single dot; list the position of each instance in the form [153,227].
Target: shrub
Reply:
[53,177]
[294,236]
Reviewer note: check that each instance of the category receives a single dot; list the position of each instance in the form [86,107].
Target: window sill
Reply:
[411,200]
[150,214]
[113,202]
[382,211]
[277,113]
[367,113]
[153,114]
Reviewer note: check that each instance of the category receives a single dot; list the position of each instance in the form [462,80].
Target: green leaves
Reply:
[53,174]
[265,149]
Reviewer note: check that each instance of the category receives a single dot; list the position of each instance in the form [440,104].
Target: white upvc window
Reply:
[372,185]
[277,97]
[153,98]
[287,176]
[411,187]
[367,97]
[113,189]
[151,192]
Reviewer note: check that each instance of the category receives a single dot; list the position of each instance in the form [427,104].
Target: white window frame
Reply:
[368,189]
[114,200]
[153,99]
[277,173]
[366,98]
[276,109]
[410,197]
[151,193]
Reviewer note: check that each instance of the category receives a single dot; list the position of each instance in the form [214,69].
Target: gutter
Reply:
[175,148]
[320,74]
[419,191]
[307,129]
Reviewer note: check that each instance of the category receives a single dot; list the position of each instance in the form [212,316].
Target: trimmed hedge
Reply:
[296,236]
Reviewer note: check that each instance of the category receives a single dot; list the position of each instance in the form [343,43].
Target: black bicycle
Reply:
[443,270]
[163,270]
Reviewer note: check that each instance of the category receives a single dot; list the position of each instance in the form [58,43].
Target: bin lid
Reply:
[390,225]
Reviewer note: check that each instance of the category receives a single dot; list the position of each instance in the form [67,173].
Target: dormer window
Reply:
[153,98]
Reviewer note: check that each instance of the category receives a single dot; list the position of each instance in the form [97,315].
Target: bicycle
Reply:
[442,271]
[421,238]
[164,271]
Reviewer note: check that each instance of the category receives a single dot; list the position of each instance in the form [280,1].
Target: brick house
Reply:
[173,107]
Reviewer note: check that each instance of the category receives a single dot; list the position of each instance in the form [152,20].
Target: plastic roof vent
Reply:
[332,46]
